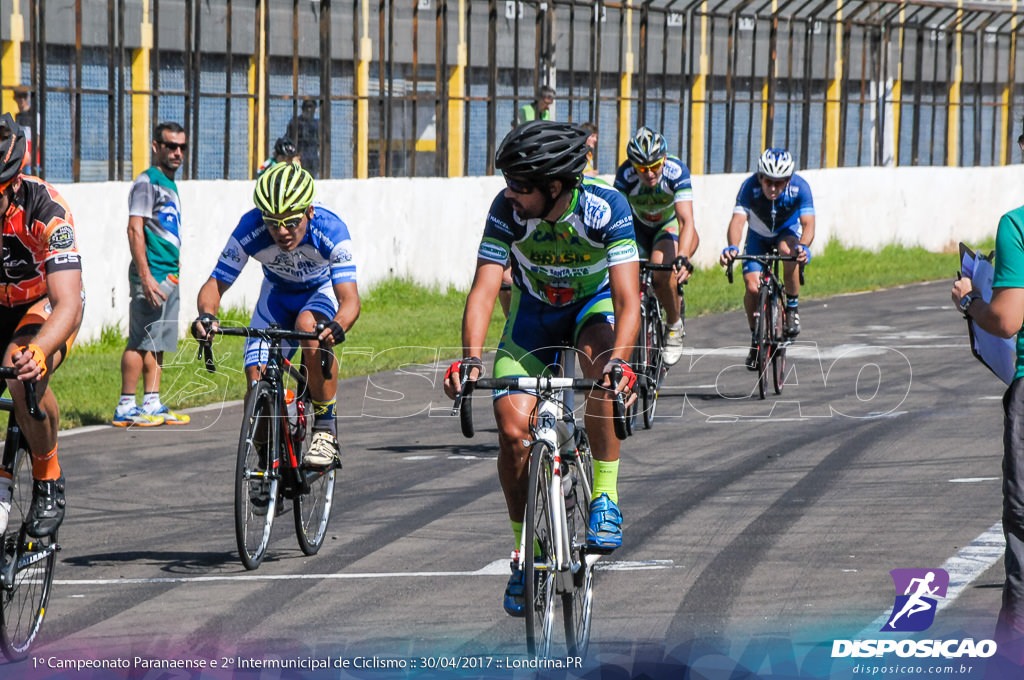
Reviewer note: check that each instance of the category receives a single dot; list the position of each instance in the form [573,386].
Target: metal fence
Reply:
[430,87]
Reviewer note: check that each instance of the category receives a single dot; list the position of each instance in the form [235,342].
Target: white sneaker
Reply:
[673,342]
[5,503]
[323,450]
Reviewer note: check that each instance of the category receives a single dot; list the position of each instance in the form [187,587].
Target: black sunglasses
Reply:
[518,187]
[174,147]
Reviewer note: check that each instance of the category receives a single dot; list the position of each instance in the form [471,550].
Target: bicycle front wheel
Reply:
[314,502]
[778,348]
[578,604]
[28,565]
[539,568]
[655,364]
[256,478]
[763,333]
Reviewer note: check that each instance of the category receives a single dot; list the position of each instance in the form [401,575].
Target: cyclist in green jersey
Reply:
[659,191]
[575,279]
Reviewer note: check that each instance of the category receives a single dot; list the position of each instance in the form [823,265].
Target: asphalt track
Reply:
[755,531]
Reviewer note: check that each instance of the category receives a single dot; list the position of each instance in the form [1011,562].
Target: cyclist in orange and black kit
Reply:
[41,303]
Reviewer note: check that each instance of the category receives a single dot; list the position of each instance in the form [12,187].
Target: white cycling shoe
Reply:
[673,343]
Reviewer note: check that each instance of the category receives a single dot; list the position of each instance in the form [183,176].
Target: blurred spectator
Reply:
[305,131]
[538,109]
[591,170]
[284,152]
[26,118]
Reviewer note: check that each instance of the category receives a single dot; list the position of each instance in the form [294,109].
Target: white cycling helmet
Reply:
[776,164]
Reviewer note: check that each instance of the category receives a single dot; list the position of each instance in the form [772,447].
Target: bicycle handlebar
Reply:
[270,335]
[31,400]
[765,260]
[463,400]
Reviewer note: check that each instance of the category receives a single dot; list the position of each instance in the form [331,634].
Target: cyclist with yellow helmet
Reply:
[309,278]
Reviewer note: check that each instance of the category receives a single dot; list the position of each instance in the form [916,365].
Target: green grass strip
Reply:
[403,322]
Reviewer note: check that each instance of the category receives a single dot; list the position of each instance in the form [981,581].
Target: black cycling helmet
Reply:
[13,146]
[284,146]
[544,150]
[646,147]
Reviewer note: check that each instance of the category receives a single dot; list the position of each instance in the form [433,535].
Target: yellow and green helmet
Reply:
[284,188]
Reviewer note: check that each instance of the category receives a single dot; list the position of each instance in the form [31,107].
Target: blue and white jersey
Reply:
[767,218]
[324,255]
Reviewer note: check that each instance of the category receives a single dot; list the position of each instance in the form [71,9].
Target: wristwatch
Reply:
[967,300]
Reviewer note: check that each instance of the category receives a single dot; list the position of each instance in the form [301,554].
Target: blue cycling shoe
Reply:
[515,594]
[605,531]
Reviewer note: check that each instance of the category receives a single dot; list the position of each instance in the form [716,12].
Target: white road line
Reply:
[970,480]
[968,564]
[496,568]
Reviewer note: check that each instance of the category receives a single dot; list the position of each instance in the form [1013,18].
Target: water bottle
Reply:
[168,285]
[568,482]
[291,411]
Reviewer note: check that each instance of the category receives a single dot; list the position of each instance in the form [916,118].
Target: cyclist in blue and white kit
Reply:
[777,206]
[309,278]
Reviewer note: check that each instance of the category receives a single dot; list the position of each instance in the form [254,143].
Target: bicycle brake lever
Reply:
[32,402]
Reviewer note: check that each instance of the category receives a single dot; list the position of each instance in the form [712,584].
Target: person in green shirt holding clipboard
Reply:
[1003,316]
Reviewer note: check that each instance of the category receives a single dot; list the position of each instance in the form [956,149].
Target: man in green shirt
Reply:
[154,221]
[1003,316]
[538,109]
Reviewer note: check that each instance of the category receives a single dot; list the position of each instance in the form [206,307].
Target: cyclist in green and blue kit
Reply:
[660,194]
[575,279]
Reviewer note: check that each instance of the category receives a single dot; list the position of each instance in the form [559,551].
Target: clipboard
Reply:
[999,355]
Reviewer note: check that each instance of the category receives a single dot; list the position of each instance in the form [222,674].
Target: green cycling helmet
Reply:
[283,188]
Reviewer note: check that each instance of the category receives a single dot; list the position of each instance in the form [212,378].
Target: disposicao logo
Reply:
[917,598]
[916,602]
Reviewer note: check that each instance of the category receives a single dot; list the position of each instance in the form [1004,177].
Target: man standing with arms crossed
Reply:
[154,221]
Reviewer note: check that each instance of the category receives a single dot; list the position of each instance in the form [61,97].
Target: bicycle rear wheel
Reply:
[539,569]
[256,478]
[778,347]
[578,604]
[763,340]
[28,570]
[312,506]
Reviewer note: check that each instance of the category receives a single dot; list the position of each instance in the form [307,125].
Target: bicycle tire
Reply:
[255,487]
[655,365]
[763,341]
[23,600]
[639,364]
[539,572]
[312,506]
[578,604]
[778,349]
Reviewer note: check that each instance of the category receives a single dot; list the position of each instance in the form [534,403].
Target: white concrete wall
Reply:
[429,229]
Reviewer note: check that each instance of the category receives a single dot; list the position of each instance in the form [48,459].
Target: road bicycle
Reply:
[648,360]
[553,553]
[27,563]
[769,319]
[273,439]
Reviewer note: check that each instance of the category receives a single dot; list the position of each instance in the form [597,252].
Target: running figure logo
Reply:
[914,610]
